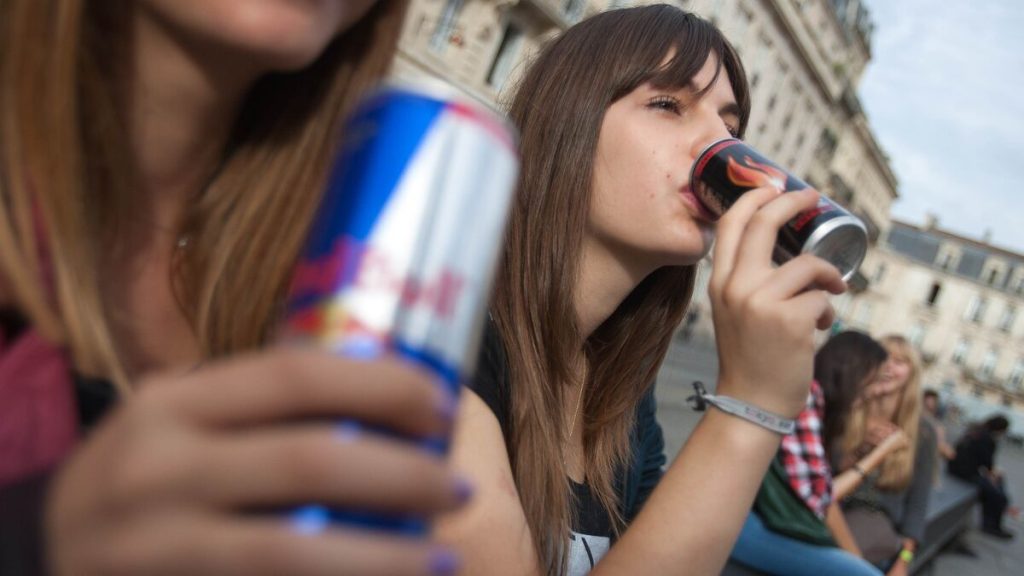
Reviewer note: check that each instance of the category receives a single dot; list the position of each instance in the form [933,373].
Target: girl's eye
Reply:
[666,103]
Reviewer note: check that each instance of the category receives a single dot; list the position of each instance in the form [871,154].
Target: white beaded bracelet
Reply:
[701,399]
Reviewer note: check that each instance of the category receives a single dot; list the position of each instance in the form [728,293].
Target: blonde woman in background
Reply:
[160,162]
[886,513]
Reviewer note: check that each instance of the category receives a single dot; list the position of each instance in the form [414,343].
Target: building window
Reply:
[948,258]
[1018,281]
[933,294]
[879,272]
[960,351]
[827,143]
[863,317]
[1016,379]
[573,10]
[771,103]
[445,25]
[993,274]
[916,335]
[976,309]
[742,11]
[755,78]
[506,57]
[1007,319]
[988,364]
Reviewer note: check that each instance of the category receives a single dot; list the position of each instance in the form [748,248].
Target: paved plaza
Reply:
[974,555]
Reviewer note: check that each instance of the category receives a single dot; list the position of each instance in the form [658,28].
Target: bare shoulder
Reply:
[491,531]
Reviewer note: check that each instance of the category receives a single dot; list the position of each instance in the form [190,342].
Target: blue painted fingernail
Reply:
[362,349]
[444,563]
[310,519]
[463,489]
[348,430]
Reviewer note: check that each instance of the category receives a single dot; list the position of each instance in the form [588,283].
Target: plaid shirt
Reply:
[803,455]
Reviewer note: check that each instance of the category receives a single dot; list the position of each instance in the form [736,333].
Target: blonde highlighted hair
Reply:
[66,183]
[897,470]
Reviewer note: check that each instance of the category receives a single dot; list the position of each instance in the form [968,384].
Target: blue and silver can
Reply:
[403,250]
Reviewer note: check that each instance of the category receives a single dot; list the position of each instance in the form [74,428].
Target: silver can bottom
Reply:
[841,241]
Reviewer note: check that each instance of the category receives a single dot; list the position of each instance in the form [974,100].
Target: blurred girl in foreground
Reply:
[160,161]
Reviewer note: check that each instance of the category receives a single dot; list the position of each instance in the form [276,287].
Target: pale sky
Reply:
[943,93]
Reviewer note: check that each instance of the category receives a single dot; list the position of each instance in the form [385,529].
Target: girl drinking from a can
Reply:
[559,433]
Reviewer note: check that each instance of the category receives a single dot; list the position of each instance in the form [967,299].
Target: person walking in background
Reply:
[886,513]
[975,462]
[160,163]
[806,533]
[933,414]
[689,323]
[558,432]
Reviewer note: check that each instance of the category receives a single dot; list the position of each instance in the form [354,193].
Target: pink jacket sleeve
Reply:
[38,418]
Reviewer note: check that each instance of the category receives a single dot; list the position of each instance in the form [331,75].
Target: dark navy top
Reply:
[592,532]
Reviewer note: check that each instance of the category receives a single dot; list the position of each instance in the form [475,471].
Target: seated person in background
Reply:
[975,462]
[932,413]
[886,513]
[843,368]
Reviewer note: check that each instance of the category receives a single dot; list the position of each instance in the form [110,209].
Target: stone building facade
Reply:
[804,59]
[961,302]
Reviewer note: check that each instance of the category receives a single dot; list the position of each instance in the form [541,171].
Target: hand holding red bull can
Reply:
[402,254]
[728,168]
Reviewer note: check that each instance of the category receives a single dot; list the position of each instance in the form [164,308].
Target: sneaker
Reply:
[997,532]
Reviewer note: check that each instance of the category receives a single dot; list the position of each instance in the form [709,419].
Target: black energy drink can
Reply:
[728,168]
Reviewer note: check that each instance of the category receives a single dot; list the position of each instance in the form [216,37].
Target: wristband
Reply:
[906,555]
[701,399]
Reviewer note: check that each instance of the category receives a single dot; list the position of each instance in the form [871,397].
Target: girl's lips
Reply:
[698,207]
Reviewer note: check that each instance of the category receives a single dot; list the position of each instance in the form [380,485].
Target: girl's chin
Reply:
[688,257]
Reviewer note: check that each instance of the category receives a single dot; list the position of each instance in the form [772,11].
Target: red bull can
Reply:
[402,253]
[728,168]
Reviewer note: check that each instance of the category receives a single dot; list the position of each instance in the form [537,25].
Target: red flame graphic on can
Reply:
[754,174]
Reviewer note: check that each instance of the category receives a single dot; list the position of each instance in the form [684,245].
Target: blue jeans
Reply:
[764,550]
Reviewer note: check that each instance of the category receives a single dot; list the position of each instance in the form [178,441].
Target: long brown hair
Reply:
[843,367]
[559,107]
[66,191]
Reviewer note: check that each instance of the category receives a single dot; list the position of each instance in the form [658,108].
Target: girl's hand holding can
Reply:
[183,477]
[765,316]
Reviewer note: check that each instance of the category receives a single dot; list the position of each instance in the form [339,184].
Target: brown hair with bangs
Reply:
[66,186]
[559,107]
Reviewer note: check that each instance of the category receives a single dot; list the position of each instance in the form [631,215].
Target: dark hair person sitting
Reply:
[975,462]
